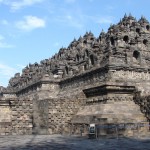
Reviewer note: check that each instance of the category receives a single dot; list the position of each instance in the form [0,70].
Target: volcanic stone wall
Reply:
[6,114]
[22,115]
[144,103]
[61,112]
[5,120]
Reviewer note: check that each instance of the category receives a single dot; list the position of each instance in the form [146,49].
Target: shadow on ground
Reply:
[59,142]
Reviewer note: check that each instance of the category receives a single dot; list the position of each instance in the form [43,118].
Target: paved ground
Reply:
[59,142]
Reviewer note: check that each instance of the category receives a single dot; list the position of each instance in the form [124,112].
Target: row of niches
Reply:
[70,59]
[123,41]
[130,28]
[134,27]
[87,61]
[83,62]
[107,99]
[82,67]
[23,102]
[92,61]
[86,79]
[130,23]
[29,90]
[67,71]
[137,59]
[90,101]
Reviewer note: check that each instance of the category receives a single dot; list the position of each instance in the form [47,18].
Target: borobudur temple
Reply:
[104,80]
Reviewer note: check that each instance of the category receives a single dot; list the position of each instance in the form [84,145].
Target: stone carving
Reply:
[131,75]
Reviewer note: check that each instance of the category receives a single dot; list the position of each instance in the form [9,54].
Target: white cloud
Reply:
[4,22]
[56,44]
[109,8]
[3,44]
[100,19]
[81,20]
[91,0]
[30,23]
[70,1]
[6,70]
[20,66]
[1,1]
[105,20]
[23,3]
[18,4]
[70,21]
[1,37]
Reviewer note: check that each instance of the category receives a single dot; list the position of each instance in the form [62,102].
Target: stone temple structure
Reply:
[104,80]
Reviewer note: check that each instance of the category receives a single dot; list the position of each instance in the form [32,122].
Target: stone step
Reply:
[116,112]
[107,119]
[111,110]
[120,117]
[119,103]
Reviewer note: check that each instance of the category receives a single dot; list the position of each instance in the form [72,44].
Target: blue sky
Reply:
[33,30]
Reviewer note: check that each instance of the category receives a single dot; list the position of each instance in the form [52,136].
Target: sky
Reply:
[33,30]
